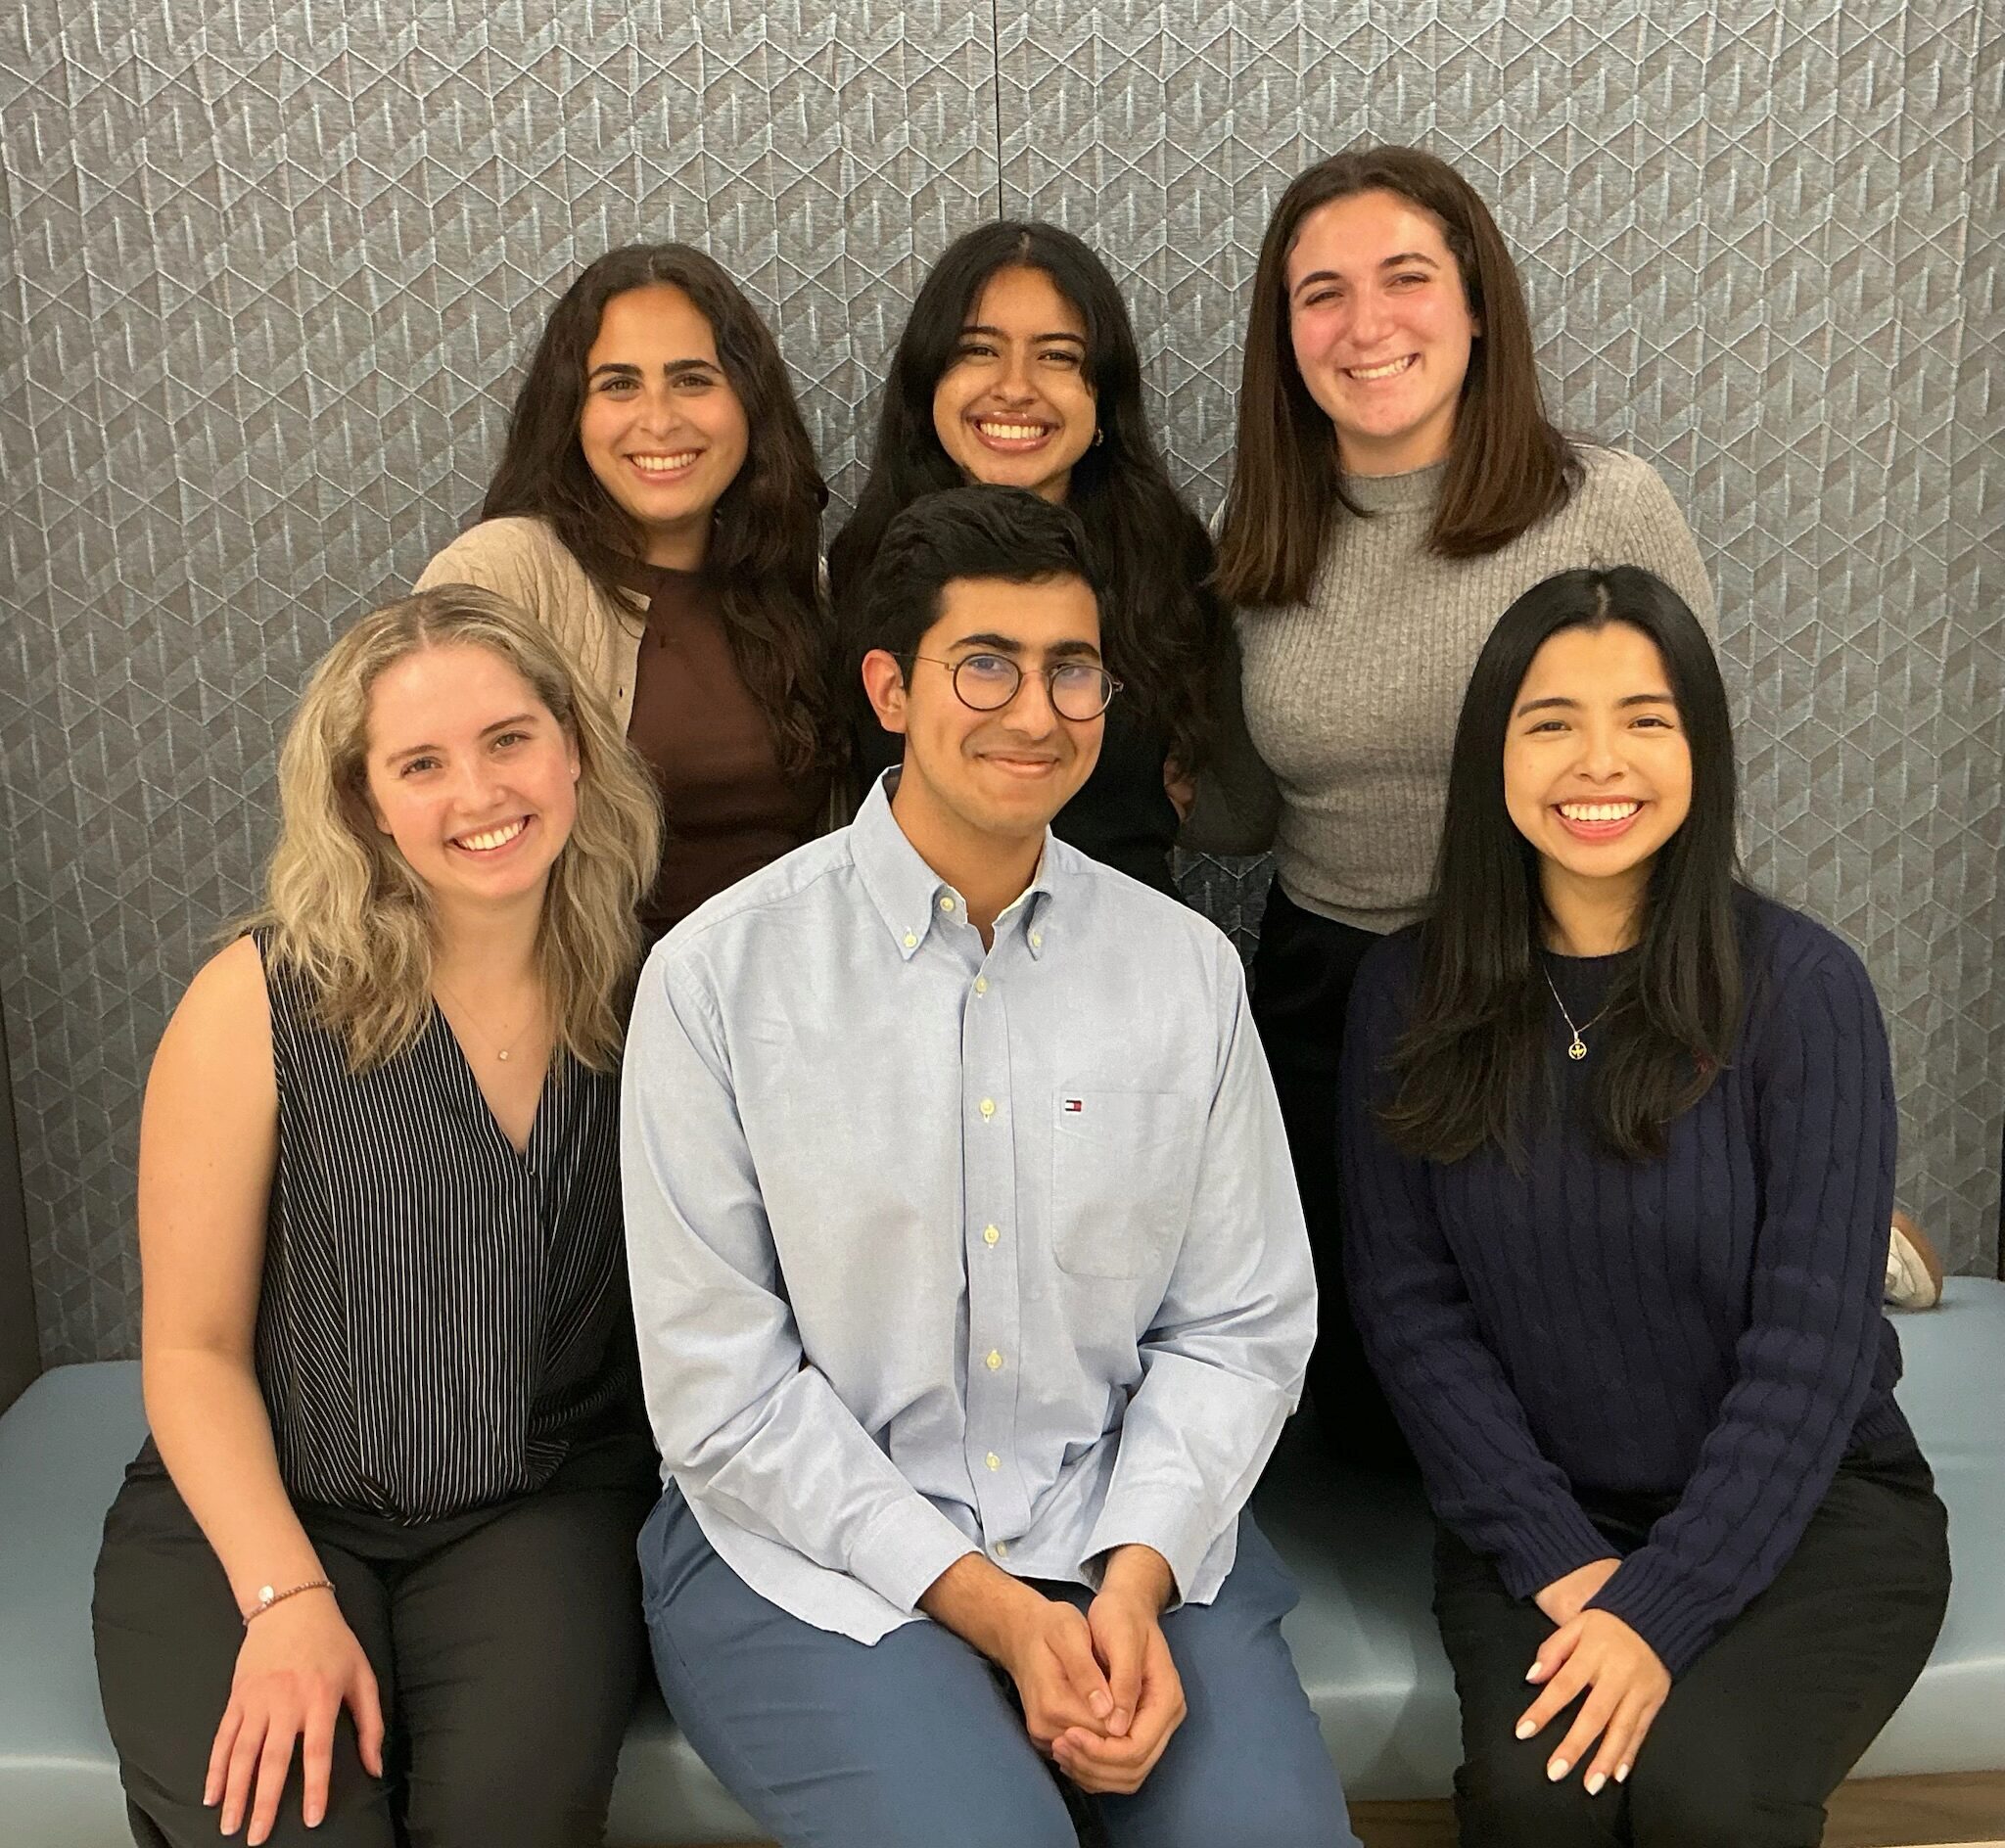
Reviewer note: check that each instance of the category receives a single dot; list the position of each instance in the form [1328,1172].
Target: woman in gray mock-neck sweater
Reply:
[1397,485]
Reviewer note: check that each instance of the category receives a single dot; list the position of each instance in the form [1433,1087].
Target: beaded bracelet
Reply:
[268,1597]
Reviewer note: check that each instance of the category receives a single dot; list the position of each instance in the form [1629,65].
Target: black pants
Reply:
[507,1646]
[1302,972]
[1761,1728]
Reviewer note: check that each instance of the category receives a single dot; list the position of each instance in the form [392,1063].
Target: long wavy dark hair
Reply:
[764,559]
[1160,623]
[1507,465]
[1473,1063]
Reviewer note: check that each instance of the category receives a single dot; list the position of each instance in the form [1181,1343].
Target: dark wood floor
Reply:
[1873,1812]
[1869,1813]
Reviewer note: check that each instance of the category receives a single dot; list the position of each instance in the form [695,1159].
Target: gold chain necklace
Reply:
[1577,1047]
[501,1053]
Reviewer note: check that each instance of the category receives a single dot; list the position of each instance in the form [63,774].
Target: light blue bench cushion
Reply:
[1954,1396]
[1363,1637]
[64,1445]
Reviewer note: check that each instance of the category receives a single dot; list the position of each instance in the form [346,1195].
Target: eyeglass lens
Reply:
[1079,689]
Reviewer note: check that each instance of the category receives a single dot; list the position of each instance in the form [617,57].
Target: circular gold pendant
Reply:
[1575,1051]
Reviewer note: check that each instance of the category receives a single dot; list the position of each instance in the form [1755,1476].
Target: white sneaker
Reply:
[1914,1272]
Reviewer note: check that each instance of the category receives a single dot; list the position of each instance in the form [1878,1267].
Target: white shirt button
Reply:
[946,904]
[995,1359]
[989,1234]
[981,985]
[988,1106]
[911,939]
[1037,940]
[1001,1549]
[993,1461]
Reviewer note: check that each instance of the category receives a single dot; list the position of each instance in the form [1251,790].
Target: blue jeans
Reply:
[915,1740]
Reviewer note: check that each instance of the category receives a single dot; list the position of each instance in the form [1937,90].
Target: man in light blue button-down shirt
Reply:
[971,1283]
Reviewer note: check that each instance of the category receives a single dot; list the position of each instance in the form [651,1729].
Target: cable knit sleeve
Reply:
[1485,1474]
[495,555]
[1803,1364]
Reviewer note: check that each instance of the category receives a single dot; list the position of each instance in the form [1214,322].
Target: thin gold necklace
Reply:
[501,1053]
[1577,1047]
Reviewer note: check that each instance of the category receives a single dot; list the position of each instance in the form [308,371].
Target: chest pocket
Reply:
[1123,1167]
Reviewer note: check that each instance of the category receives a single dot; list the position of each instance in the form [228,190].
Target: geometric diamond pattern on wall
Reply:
[268,275]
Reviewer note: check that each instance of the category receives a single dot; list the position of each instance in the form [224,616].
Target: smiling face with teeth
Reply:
[1380,326]
[976,784]
[1013,407]
[1596,766]
[662,426]
[470,774]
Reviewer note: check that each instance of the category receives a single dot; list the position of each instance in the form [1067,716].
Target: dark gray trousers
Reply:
[507,1646]
[1761,1728]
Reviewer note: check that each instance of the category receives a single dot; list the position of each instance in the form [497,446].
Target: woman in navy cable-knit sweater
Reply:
[1619,1143]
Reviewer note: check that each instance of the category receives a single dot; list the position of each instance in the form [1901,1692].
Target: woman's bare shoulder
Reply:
[223,1021]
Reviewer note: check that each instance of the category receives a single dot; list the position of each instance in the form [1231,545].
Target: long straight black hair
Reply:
[1159,620]
[1473,1060]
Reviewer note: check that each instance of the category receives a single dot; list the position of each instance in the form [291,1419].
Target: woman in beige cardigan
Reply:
[658,508]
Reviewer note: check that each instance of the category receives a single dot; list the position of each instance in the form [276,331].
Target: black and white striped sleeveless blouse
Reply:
[441,1316]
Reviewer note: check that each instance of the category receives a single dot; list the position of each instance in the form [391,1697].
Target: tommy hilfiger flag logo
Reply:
[1072,1106]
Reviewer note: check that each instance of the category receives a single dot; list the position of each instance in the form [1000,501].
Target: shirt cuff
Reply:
[904,1549]
[1179,1527]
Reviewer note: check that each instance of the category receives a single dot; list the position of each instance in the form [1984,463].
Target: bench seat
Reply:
[1363,1637]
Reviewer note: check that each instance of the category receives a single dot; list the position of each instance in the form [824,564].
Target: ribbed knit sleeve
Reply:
[1641,526]
[1805,1361]
[1485,1471]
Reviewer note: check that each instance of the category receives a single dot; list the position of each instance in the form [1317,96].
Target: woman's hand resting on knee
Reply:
[1597,1653]
[298,1665]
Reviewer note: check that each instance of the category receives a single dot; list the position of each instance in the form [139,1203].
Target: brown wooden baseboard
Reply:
[1868,1813]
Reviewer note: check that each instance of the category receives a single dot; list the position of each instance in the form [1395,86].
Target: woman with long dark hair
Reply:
[1018,368]
[1397,483]
[658,507]
[1619,1141]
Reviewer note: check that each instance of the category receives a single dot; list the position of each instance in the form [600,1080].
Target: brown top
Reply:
[729,807]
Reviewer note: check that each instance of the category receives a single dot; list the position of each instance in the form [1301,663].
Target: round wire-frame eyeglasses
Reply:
[985,682]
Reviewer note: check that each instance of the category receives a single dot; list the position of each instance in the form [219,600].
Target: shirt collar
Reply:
[908,894]
[1032,905]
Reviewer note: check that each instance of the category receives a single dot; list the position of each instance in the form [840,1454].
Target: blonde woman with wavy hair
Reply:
[384,1525]
[347,909]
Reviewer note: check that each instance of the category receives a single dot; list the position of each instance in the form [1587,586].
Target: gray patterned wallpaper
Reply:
[267,270]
